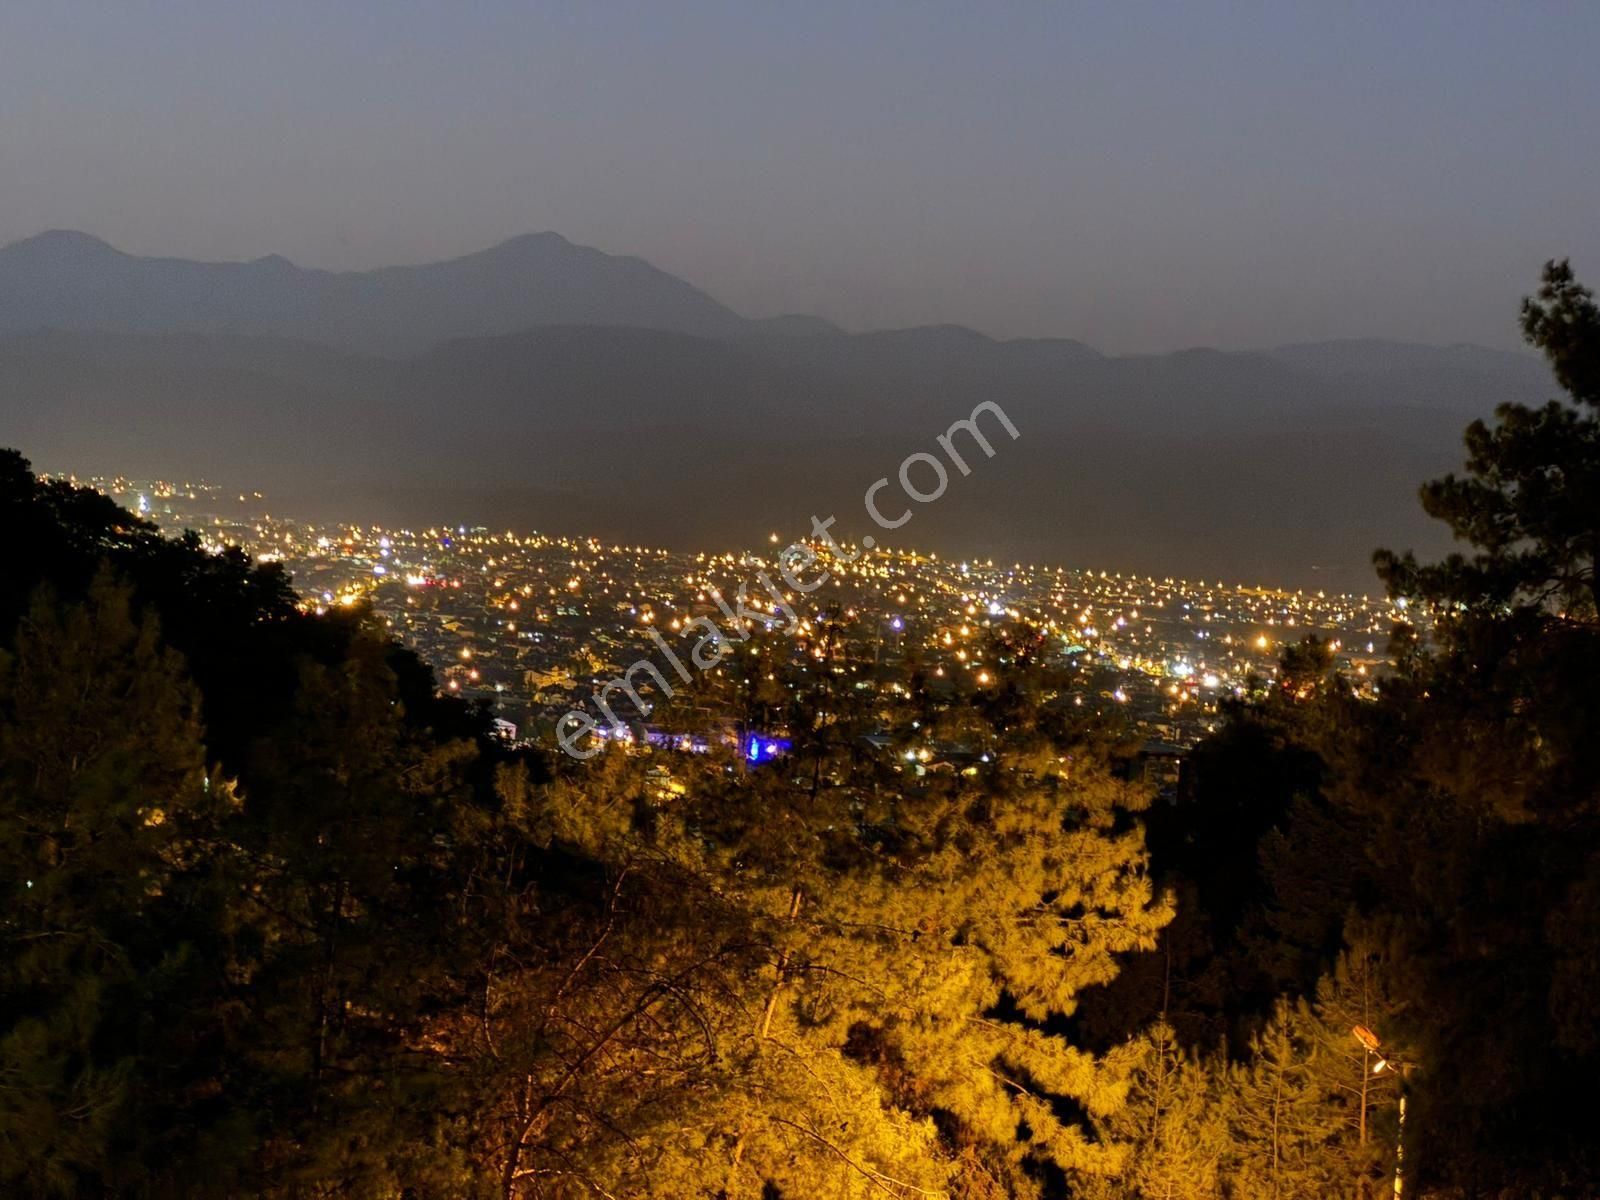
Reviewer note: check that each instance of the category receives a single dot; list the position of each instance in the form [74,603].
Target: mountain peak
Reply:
[68,280]
[544,242]
[541,237]
[62,242]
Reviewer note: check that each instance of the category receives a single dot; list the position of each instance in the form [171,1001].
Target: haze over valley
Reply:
[540,384]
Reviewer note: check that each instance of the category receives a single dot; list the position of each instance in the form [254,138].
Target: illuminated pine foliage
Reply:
[915,942]
[1175,1123]
[1283,1127]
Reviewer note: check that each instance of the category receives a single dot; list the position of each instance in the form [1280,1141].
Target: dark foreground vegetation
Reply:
[279,921]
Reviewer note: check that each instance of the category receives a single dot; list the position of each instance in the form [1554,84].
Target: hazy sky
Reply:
[1141,176]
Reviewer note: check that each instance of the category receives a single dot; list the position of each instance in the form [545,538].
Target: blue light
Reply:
[759,749]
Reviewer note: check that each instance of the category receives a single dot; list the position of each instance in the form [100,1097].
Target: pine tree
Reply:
[224,946]
[1359,991]
[1284,1128]
[1478,780]
[915,936]
[108,826]
[1529,501]
[1174,1123]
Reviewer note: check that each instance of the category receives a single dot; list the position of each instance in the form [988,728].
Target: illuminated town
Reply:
[535,625]
[799,602]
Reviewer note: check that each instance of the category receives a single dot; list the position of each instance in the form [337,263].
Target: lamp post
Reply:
[1371,1042]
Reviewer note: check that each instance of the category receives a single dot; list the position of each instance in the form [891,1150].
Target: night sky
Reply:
[1143,177]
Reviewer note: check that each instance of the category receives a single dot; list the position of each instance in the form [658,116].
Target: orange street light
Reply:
[1374,1045]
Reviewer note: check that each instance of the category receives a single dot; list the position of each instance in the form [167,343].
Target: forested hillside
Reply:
[281,921]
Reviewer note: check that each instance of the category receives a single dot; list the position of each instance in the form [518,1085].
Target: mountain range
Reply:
[544,383]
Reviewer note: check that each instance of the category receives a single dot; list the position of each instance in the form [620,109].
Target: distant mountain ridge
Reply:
[618,400]
[64,280]
[67,281]
[70,281]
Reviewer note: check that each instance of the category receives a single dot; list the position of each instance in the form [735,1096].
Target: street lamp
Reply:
[1388,1062]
